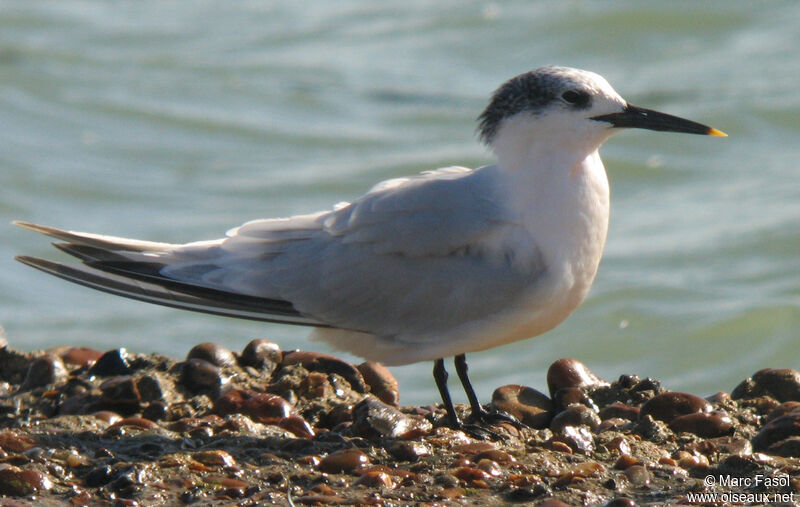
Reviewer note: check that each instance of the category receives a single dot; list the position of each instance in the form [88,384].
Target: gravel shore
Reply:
[271,427]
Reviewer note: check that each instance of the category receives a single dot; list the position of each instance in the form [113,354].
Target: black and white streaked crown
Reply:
[533,92]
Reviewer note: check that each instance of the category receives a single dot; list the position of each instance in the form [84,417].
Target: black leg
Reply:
[478,412]
[461,368]
[440,376]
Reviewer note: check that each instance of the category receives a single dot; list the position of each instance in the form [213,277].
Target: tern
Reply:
[441,264]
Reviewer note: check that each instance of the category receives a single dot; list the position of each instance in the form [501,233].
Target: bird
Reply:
[421,268]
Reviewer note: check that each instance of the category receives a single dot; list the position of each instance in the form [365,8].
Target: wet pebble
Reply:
[778,429]
[620,502]
[15,481]
[667,406]
[262,355]
[80,356]
[702,424]
[381,382]
[783,409]
[99,476]
[620,411]
[113,362]
[212,353]
[375,479]
[150,388]
[581,471]
[570,373]
[472,476]
[575,415]
[525,403]
[199,375]
[325,363]
[567,396]
[121,395]
[217,458]
[637,475]
[107,416]
[344,461]
[578,438]
[44,371]
[297,426]
[408,450]
[155,411]
[783,384]
[265,406]
[372,417]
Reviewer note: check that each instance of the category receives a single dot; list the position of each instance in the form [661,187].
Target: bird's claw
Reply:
[496,417]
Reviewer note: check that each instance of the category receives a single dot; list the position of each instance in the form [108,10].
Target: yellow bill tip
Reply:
[716,133]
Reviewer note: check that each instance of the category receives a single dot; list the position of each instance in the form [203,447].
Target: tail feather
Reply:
[174,295]
[133,269]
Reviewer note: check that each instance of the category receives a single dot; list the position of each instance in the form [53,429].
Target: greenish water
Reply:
[177,120]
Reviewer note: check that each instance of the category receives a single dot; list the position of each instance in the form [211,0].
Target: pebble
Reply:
[783,409]
[495,455]
[15,481]
[776,430]
[372,417]
[381,382]
[200,375]
[325,363]
[783,384]
[375,479]
[567,396]
[619,410]
[408,450]
[218,458]
[80,356]
[150,388]
[528,405]
[344,461]
[667,406]
[570,373]
[471,476]
[575,415]
[113,362]
[637,475]
[297,426]
[213,353]
[262,355]
[99,476]
[620,502]
[107,416]
[702,424]
[44,371]
[581,471]
[625,461]
[578,438]
[265,406]
[121,395]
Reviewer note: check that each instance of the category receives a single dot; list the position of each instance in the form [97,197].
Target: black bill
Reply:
[641,118]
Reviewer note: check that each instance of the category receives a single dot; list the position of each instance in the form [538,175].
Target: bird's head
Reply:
[562,107]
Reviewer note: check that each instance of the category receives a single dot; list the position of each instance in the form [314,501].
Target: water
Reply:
[177,120]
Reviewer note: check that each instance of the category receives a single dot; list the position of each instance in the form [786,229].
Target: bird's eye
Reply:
[571,97]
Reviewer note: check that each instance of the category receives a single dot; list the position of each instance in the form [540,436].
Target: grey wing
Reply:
[406,258]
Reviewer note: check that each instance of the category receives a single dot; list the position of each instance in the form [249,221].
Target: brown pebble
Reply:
[620,502]
[470,474]
[495,455]
[381,382]
[783,409]
[266,406]
[619,445]
[107,416]
[325,363]
[15,481]
[44,371]
[490,467]
[525,403]
[375,479]
[11,441]
[408,450]
[575,415]
[638,475]
[297,426]
[121,394]
[135,422]
[199,374]
[581,471]
[693,461]
[776,430]
[570,373]
[473,448]
[560,446]
[213,353]
[262,355]
[217,458]
[452,493]
[625,461]
[80,356]
[667,406]
[782,384]
[705,425]
[344,461]
[620,411]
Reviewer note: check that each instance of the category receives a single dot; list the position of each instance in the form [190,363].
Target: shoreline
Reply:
[265,426]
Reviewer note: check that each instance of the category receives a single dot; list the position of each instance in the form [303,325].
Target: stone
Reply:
[575,415]
[213,353]
[705,425]
[262,355]
[43,371]
[782,384]
[667,406]
[314,361]
[381,382]
[570,373]
[111,363]
[528,405]
[344,461]
[373,418]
